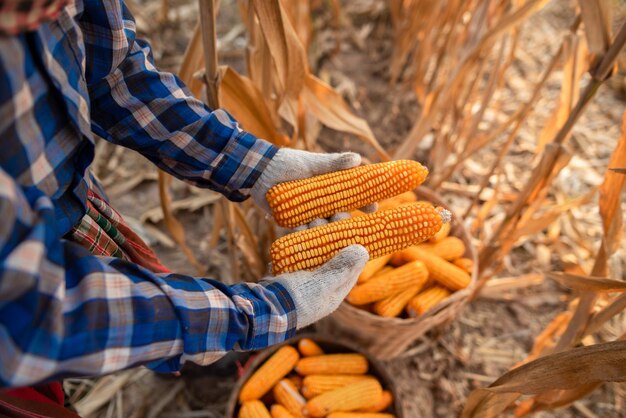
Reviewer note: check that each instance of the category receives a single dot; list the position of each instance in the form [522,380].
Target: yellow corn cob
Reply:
[315,384]
[279,411]
[372,267]
[299,202]
[352,363]
[360,415]
[449,248]
[287,395]
[254,409]
[397,259]
[350,397]
[401,199]
[385,402]
[427,299]
[388,284]
[393,305]
[380,233]
[465,264]
[440,270]
[274,369]
[308,348]
[442,233]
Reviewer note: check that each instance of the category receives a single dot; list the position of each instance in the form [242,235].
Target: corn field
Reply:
[517,109]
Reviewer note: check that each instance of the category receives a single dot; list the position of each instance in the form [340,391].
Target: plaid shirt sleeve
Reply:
[135,105]
[65,312]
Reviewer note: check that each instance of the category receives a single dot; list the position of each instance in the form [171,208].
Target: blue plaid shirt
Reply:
[64,311]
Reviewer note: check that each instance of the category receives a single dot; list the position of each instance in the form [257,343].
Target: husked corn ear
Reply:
[385,402]
[360,415]
[299,202]
[380,233]
[427,299]
[352,363]
[254,409]
[348,398]
[287,395]
[463,263]
[372,267]
[274,369]
[393,306]
[442,233]
[315,384]
[401,199]
[388,284]
[309,348]
[449,248]
[279,411]
[440,270]
[397,259]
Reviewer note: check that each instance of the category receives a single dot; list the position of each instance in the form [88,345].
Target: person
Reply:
[80,293]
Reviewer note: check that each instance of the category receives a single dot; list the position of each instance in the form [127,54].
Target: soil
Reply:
[491,334]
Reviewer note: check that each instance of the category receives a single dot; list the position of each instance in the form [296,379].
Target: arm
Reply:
[66,312]
[135,105]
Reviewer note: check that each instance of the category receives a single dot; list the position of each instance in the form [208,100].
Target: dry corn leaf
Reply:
[193,62]
[618,170]
[610,209]
[565,371]
[173,225]
[596,16]
[239,96]
[588,283]
[247,243]
[284,46]
[331,110]
[553,399]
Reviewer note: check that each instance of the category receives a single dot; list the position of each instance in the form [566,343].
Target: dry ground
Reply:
[491,335]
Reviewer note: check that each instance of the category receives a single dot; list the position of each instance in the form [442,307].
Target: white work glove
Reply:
[318,293]
[291,164]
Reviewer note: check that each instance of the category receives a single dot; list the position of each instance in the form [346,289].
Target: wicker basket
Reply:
[387,338]
[330,346]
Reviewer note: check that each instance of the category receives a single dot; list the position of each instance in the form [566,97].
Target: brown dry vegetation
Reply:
[510,105]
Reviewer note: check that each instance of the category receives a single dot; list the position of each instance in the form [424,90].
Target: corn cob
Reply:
[299,202]
[287,395]
[427,299]
[309,348]
[447,274]
[397,259]
[392,306]
[442,233]
[465,264]
[360,415]
[279,411]
[314,385]
[350,397]
[388,284]
[401,199]
[254,409]
[372,267]
[352,363]
[449,248]
[274,369]
[385,402]
[381,233]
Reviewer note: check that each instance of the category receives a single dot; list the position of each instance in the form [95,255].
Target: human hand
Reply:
[318,293]
[291,164]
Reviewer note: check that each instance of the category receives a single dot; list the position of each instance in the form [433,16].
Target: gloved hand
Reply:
[318,293]
[291,164]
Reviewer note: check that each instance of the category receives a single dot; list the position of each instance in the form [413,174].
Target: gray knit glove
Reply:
[291,164]
[318,293]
